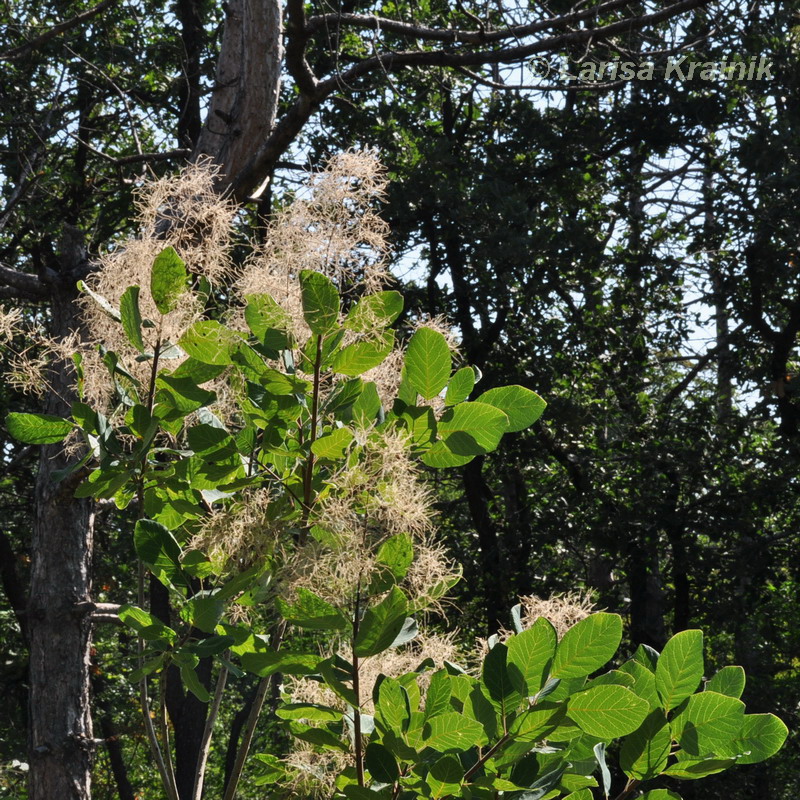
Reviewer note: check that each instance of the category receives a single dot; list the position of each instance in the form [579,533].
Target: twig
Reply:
[250,725]
[51,33]
[205,744]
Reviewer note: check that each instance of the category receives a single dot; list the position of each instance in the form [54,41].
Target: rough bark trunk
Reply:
[60,725]
[245,99]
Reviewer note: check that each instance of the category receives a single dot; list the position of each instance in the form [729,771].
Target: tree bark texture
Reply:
[243,105]
[60,725]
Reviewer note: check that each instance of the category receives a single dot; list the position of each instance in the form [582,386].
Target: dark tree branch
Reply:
[297,36]
[410,30]
[28,286]
[51,33]
[247,178]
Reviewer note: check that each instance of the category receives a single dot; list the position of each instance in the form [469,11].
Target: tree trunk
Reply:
[60,729]
[245,98]
[477,493]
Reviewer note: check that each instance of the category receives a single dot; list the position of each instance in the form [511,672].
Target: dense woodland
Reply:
[626,249]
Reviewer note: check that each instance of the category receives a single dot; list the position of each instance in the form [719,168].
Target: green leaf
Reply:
[581,794]
[445,776]
[359,357]
[320,302]
[318,736]
[658,794]
[268,662]
[203,612]
[197,371]
[168,280]
[382,765]
[270,769]
[158,548]
[498,683]
[761,736]
[690,768]
[311,611]
[397,554]
[210,342]
[428,362]
[146,625]
[104,482]
[466,430]
[211,443]
[479,707]
[131,317]
[192,683]
[522,406]
[373,311]
[647,657]
[309,711]
[393,709]
[645,752]
[437,698]
[452,731]
[420,422]
[367,406]
[212,646]
[381,624]
[182,394]
[587,646]
[535,724]
[334,445]
[644,682]
[607,711]
[343,396]
[353,791]
[530,654]
[728,681]
[708,723]
[268,321]
[38,428]
[460,386]
[680,668]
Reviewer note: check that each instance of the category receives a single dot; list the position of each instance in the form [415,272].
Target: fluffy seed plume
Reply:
[331,227]
[182,211]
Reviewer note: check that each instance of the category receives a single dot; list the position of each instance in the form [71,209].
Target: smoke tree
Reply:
[271,456]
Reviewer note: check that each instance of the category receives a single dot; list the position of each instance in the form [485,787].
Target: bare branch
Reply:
[451,35]
[297,36]
[27,286]
[244,180]
[51,33]
[465,58]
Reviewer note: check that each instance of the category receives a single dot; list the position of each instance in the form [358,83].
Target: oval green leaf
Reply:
[729,681]
[131,317]
[607,711]
[452,731]
[522,406]
[38,428]
[428,362]
[708,724]
[320,302]
[168,279]
[762,735]
[645,752]
[680,668]
[530,654]
[587,646]
[460,386]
